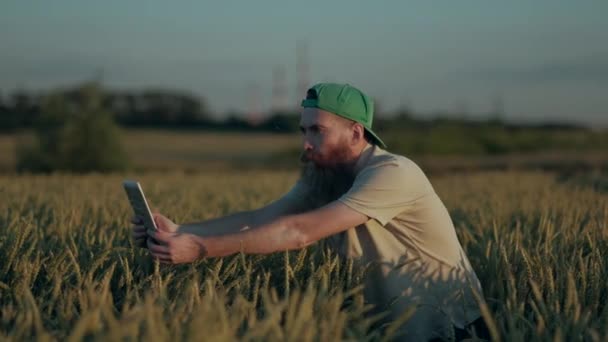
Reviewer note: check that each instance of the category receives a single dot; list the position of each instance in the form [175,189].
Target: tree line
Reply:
[165,108]
[148,108]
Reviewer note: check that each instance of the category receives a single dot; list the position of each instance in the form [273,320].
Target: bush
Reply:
[75,135]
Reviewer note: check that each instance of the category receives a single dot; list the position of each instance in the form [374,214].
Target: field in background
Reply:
[7,152]
[202,150]
[170,150]
[538,242]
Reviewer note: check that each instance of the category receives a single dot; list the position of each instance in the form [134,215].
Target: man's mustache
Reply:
[305,157]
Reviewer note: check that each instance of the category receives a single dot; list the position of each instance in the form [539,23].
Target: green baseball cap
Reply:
[346,101]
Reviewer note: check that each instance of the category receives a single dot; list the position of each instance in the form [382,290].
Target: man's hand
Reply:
[174,248]
[139,231]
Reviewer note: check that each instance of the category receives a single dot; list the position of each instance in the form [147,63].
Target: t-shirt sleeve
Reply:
[382,192]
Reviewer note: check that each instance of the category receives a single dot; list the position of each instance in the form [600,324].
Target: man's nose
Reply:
[307,145]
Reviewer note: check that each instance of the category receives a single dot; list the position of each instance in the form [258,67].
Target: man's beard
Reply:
[330,181]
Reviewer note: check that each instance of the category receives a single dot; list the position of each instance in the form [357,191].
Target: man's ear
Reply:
[358,132]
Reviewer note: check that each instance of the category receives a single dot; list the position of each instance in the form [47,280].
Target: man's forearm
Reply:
[279,235]
[223,225]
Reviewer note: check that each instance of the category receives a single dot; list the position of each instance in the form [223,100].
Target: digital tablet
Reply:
[139,203]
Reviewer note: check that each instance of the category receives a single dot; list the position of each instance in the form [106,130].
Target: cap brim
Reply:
[378,141]
[307,103]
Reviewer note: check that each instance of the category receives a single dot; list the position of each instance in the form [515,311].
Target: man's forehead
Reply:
[316,116]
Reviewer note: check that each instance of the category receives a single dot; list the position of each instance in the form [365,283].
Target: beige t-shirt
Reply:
[410,238]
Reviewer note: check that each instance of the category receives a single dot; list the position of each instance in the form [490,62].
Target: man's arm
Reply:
[222,225]
[244,220]
[284,233]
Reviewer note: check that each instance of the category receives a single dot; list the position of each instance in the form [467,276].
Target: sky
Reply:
[538,61]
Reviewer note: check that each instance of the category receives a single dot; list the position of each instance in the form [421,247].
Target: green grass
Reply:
[539,244]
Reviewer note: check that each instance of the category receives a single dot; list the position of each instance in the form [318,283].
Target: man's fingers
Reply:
[139,229]
[159,252]
[157,248]
[159,235]
[139,235]
[140,232]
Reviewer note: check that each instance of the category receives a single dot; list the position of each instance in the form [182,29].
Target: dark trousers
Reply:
[478,325]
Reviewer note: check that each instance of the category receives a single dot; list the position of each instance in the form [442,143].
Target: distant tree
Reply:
[8,120]
[73,136]
[281,122]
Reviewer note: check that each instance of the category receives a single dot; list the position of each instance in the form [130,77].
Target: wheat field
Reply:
[68,270]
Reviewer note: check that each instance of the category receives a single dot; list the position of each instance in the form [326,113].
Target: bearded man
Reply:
[370,205]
